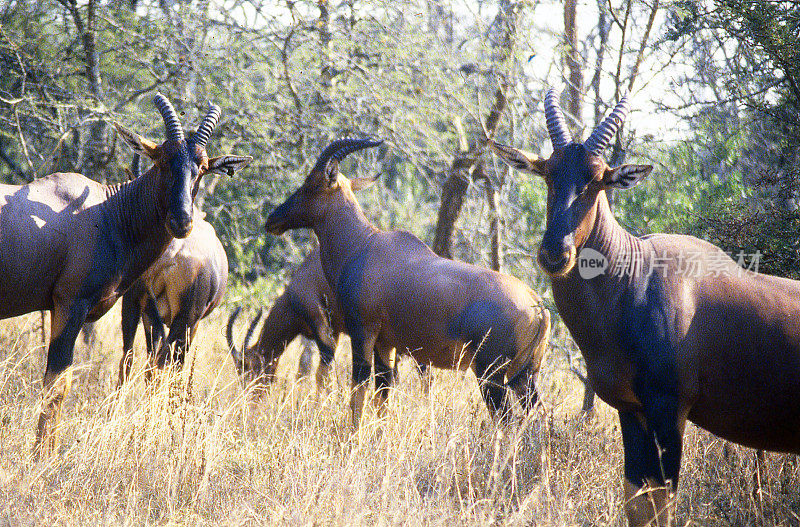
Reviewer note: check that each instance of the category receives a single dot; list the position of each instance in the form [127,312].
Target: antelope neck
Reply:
[137,213]
[343,232]
[626,260]
[621,249]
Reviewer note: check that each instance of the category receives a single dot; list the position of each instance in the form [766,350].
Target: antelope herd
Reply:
[661,345]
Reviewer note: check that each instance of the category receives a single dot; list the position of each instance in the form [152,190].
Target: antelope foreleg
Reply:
[363,350]
[647,505]
[651,468]
[156,337]
[65,326]
[131,313]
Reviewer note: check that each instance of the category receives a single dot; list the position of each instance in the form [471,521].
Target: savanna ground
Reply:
[192,450]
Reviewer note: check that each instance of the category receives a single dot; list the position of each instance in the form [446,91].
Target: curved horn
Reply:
[252,328]
[229,336]
[174,128]
[341,148]
[200,138]
[556,124]
[603,133]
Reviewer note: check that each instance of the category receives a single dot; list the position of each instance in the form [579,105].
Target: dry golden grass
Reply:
[191,450]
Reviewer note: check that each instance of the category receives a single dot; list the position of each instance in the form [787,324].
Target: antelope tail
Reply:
[532,354]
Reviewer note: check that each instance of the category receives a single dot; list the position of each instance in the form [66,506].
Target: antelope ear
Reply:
[625,176]
[519,159]
[139,144]
[363,182]
[331,172]
[228,164]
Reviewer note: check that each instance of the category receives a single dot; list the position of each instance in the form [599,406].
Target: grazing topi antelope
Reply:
[671,328]
[395,293]
[305,307]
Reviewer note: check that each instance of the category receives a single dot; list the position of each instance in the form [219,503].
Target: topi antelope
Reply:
[184,285]
[395,293]
[304,308]
[73,246]
[672,330]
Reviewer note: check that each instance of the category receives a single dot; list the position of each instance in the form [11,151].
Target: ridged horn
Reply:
[174,128]
[556,124]
[606,130]
[200,138]
[341,148]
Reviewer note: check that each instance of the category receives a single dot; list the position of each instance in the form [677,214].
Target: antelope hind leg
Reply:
[384,369]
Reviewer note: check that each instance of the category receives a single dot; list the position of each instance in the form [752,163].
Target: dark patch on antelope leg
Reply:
[59,354]
[662,418]
[641,456]
[59,358]
[326,353]
[188,314]
[131,313]
[493,391]
[156,342]
[383,379]
[348,290]
[646,497]
[656,384]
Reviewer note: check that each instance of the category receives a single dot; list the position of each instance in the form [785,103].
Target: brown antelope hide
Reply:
[305,307]
[671,328]
[73,246]
[395,293]
[184,285]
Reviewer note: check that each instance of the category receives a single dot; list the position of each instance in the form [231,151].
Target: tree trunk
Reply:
[455,186]
[574,61]
[97,144]
[92,153]
[603,28]
[495,215]
[326,68]
[588,398]
[453,192]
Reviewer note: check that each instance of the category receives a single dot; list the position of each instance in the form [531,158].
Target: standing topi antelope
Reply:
[305,307]
[73,246]
[395,293]
[184,285]
[672,330]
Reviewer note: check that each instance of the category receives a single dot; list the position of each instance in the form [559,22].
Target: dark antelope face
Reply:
[575,175]
[322,189]
[181,163]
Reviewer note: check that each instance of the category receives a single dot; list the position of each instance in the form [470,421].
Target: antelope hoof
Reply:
[648,506]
